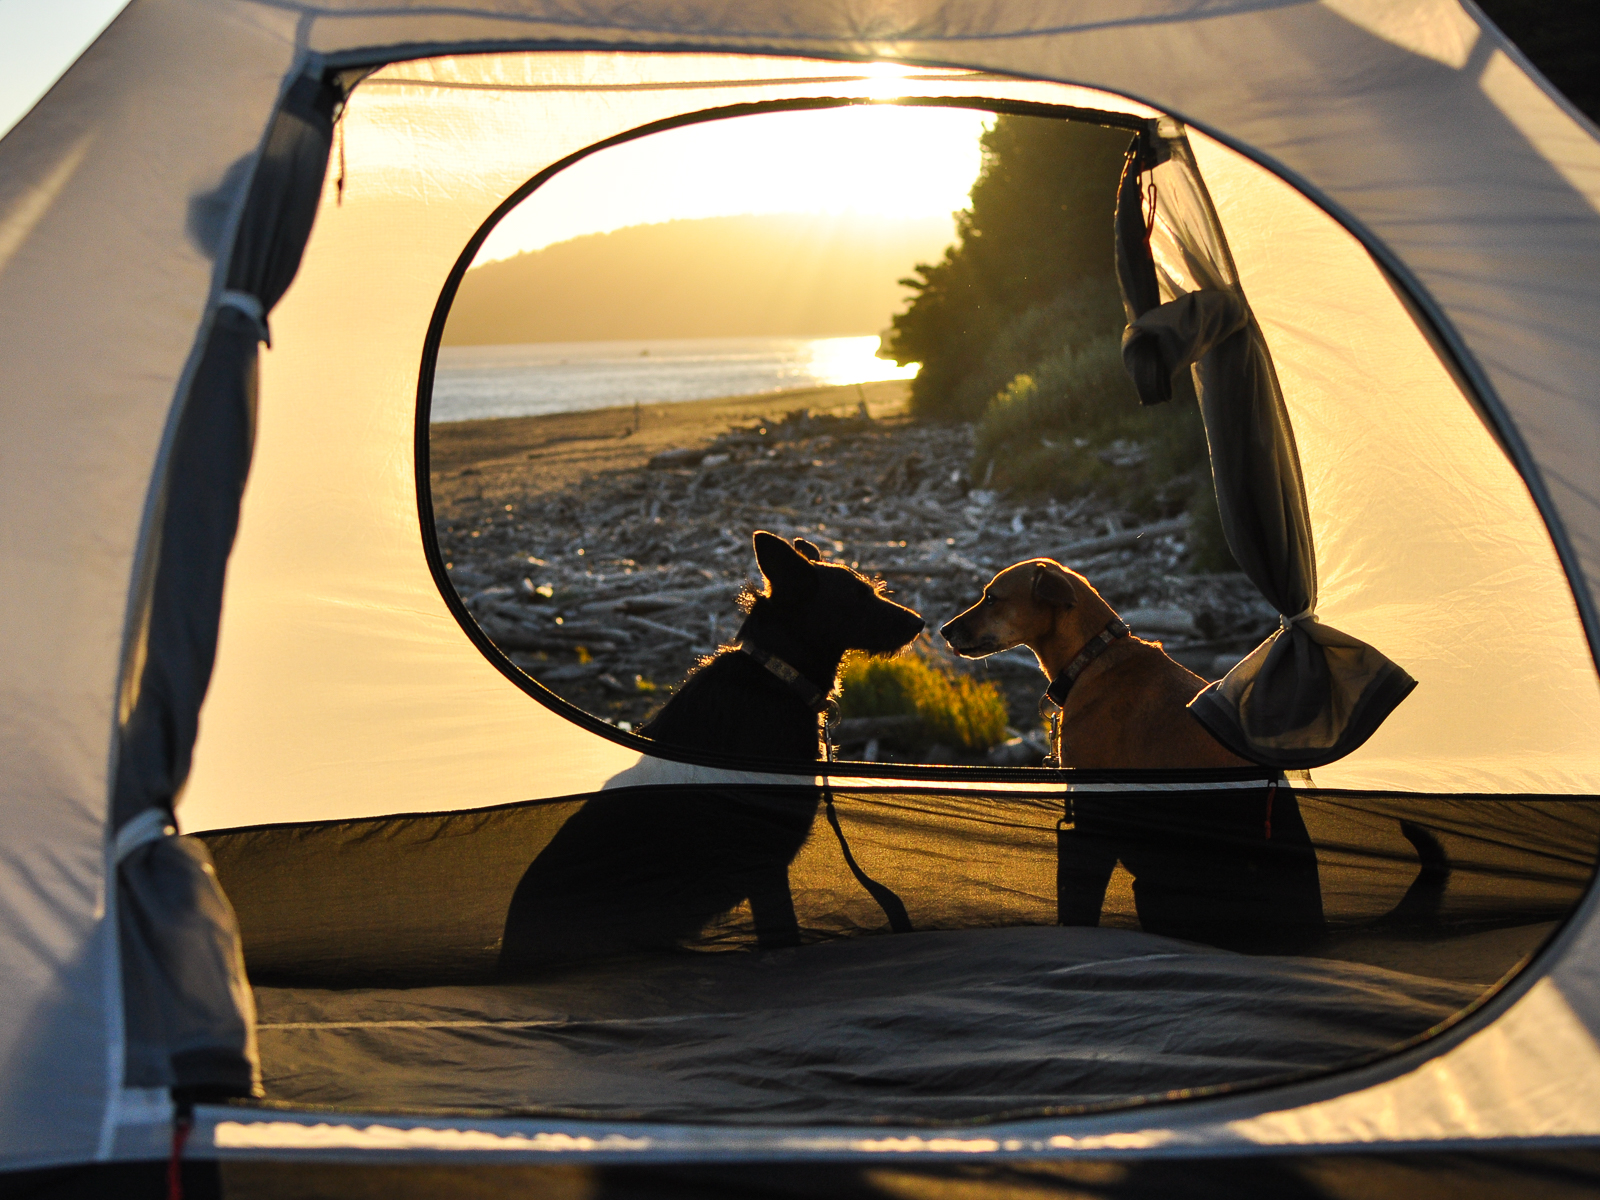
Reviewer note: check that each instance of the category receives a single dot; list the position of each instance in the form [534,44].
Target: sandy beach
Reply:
[550,452]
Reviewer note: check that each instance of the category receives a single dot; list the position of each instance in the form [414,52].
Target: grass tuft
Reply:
[956,710]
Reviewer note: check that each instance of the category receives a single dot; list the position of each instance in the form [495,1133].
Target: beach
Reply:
[545,453]
[603,551]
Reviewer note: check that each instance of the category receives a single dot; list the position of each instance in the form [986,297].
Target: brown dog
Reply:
[1123,700]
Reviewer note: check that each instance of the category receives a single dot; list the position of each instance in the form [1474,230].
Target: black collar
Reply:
[810,695]
[1098,644]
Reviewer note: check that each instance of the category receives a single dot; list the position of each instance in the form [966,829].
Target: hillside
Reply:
[805,275]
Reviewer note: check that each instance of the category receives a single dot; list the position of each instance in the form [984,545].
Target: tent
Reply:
[227,241]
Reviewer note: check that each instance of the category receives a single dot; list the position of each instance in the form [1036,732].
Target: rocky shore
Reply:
[604,552]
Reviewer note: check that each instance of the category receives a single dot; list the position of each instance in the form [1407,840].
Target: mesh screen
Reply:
[427,898]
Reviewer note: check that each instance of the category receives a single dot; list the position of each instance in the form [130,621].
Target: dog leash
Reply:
[827,710]
[1054,700]
[893,907]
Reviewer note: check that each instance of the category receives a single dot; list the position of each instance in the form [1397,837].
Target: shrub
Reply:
[1088,310]
[955,710]
[1073,425]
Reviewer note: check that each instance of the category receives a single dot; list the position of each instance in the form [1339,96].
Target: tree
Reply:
[1038,226]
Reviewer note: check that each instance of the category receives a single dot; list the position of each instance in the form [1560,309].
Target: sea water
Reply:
[472,382]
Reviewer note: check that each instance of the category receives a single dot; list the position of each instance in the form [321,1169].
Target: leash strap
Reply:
[893,907]
[182,1124]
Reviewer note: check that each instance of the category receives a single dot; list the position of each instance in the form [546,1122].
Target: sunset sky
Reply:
[880,159]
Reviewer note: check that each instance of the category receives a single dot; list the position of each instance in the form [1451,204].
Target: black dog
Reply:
[761,697]
[647,869]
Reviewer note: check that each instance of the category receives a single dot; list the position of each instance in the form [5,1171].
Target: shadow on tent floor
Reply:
[921,1027]
[1550,1175]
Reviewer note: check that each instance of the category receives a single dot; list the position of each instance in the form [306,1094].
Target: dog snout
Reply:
[957,635]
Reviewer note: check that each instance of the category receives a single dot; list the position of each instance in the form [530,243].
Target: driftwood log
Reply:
[634,575]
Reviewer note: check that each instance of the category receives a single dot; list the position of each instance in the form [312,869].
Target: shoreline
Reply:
[570,445]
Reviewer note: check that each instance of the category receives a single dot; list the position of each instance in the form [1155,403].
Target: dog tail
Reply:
[1419,909]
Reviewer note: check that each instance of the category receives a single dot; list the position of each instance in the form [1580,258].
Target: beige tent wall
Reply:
[345,688]
[1428,544]
[343,685]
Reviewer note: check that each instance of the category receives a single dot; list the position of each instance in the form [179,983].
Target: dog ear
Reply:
[786,569]
[1053,586]
[808,549]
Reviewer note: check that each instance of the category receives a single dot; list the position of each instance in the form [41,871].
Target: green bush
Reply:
[1073,425]
[956,710]
[1088,310]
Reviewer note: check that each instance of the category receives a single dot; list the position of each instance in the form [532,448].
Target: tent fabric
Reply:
[190,1016]
[1447,167]
[378,686]
[175,636]
[1309,695]
[916,1028]
[179,945]
[383,902]
[640,988]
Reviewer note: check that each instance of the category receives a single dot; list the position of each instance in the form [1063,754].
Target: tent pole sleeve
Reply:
[188,1017]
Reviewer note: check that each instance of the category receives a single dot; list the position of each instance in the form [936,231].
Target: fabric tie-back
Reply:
[190,1025]
[1309,694]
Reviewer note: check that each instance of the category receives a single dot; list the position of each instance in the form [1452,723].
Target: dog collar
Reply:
[1098,644]
[810,695]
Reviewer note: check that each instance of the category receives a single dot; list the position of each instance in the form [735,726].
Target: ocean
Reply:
[472,382]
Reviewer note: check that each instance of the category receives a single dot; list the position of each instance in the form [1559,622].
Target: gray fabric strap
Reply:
[1308,614]
[810,695]
[251,307]
[151,825]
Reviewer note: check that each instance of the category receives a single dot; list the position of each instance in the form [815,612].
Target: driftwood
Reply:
[931,570]
[1126,537]
[660,628]
[657,601]
[645,565]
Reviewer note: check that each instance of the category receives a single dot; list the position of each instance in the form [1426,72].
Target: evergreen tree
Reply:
[1038,226]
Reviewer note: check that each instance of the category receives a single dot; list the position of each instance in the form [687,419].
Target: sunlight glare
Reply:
[869,158]
[853,360]
[886,78]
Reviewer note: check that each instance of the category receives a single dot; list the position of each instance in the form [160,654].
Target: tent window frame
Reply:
[1435,326]
[1143,128]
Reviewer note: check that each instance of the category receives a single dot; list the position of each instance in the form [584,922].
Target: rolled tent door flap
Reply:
[189,1014]
[1309,694]
[189,1019]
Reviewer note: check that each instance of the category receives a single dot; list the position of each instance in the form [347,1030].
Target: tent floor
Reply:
[1548,1174]
[923,1027]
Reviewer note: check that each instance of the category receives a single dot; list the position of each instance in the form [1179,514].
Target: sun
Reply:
[887,78]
